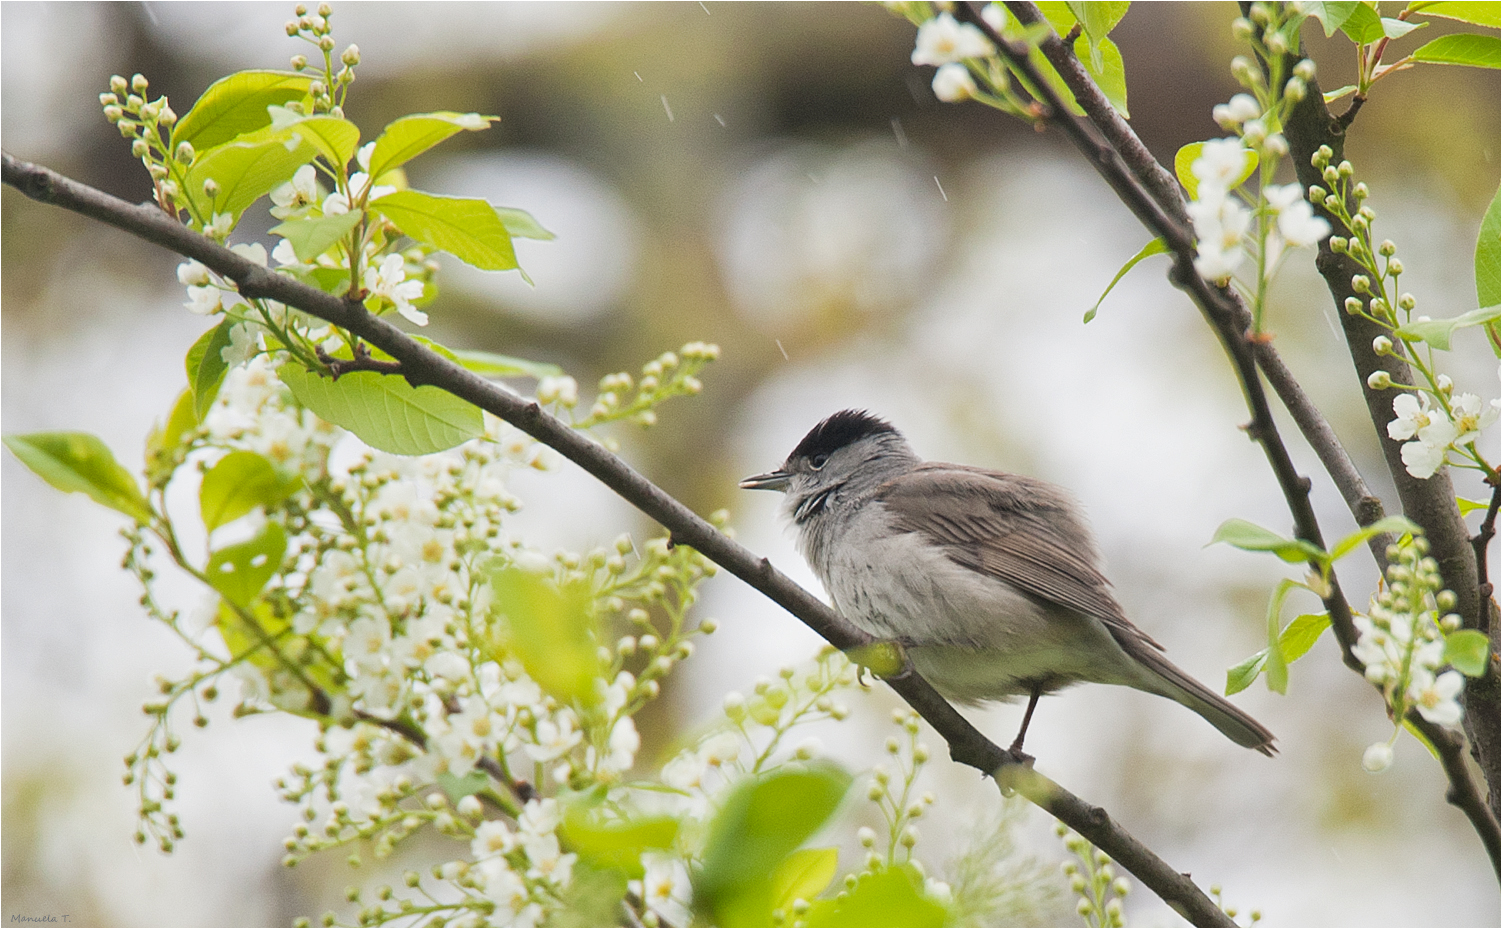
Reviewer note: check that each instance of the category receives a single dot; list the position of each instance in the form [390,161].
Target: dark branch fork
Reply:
[420,365]
[1152,194]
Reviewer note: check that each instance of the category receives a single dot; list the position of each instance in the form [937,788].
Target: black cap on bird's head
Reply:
[836,432]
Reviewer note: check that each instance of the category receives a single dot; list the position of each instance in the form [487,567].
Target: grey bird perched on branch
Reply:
[989,580]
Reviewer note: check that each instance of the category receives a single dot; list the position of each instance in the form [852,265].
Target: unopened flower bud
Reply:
[1377,758]
[325,10]
[1276,144]
[1353,305]
[138,83]
[1395,267]
[1338,244]
[168,116]
[139,149]
[1382,345]
[326,43]
[118,84]
[1295,89]
[316,89]
[1317,194]
[1305,70]
[1245,72]
[184,153]
[1379,380]
[1406,302]
[210,188]
[1361,283]
[292,27]
[1255,133]
[1361,190]
[1345,169]
[1331,175]
[351,56]
[299,62]
[1276,43]
[1241,29]
[1446,387]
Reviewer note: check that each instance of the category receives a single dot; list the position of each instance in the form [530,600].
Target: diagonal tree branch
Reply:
[420,365]
[1146,188]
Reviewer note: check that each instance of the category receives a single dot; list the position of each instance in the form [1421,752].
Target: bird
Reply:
[990,581]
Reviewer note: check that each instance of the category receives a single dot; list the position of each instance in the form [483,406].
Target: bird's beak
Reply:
[772,480]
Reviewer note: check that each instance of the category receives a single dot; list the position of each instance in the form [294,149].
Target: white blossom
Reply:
[298,195]
[205,301]
[389,282]
[1428,427]
[953,83]
[666,889]
[1377,757]
[1470,417]
[943,40]
[1296,220]
[1435,697]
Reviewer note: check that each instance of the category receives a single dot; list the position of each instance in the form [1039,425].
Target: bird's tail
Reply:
[1232,721]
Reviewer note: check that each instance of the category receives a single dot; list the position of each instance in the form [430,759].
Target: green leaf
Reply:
[1437,332]
[206,367]
[1155,247]
[1476,12]
[1110,74]
[385,411]
[1331,15]
[1489,256]
[1397,28]
[235,105]
[336,139]
[1332,95]
[1096,19]
[238,483]
[312,236]
[468,229]
[239,572]
[1363,25]
[1183,166]
[410,136]
[457,788]
[1477,51]
[1394,524]
[78,461]
[1241,676]
[521,225]
[245,172]
[1253,538]
[803,875]
[1277,663]
[1301,634]
[165,440]
[1419,735]
[1467,507]
[1059,13]
[891,897]
[1469,651]
[761,822]
[550,631]
[489,364]
[615,843]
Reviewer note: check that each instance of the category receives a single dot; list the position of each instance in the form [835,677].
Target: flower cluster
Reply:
[1222,216]
[1093,880]
[1433,421]
[1402,644]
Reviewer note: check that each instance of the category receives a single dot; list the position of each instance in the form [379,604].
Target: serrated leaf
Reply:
[165,440]
[615,843]
[385,411]
[1301,634]
[760,823]
[1469,651]
[468,229]
[1253,538]
[522,225]
[235,105]
[239,572]
[238,483]
[551,632]
[1397,524]
[1364,25]
[1332,14]
[1477,12]
[206,367]
[1489,256]
[80,462]
[803,875]
[1437,332]
[1183,167]
[245,172]
[891,897]
[1242,675]
[406,138]
[1155,247]
[1104,63]
[489,364]
[312,236]
[1476,51]
[335,138]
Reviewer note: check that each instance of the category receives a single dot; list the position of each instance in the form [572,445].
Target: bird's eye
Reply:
[818,461]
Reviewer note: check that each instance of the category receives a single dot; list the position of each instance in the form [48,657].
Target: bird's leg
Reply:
[1032,704]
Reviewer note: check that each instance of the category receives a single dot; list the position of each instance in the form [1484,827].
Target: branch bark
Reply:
[420,365]
[1152,194]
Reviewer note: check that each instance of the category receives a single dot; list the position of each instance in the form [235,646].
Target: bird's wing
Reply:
[1015,529]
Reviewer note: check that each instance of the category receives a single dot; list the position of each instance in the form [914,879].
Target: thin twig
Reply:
[421,365]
